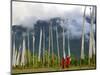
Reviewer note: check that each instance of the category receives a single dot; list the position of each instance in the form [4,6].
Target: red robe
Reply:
[68,60]
[63,62]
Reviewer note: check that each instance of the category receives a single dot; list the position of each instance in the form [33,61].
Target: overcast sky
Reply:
[27,13]
[23,10]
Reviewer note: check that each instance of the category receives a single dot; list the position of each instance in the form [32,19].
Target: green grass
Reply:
[39,66]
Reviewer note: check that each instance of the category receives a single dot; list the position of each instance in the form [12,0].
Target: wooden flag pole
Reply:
[57,46]
[91,42]
[52,44]
[49,48]
[33,47]
[43,47]
[83,32]
[64,54]
[39,55]
[68,42]
[14,50]
[28,48]
[23,52]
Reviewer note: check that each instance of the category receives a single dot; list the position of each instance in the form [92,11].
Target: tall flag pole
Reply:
[68,42]
[23,51]
[93,45]
[40,45]
[57,45]
[83,31]
[52,43]
[28,46]
[91,41]
[16,52]
[64,55]
[43,46]
[14,55]
[33,46]
[18,56]
[49,47]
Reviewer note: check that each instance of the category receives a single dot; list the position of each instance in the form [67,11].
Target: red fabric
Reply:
[63,62]
[68,60]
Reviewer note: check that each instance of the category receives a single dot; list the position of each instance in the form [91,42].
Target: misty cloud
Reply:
[74,20]
[27,14]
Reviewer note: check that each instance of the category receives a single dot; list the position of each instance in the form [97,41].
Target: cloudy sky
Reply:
[23,10]
[27,13]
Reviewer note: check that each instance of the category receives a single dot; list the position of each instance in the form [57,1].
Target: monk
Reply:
[67,61]
[63,62]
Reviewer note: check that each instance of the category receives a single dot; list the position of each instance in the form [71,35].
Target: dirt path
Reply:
[30,70]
